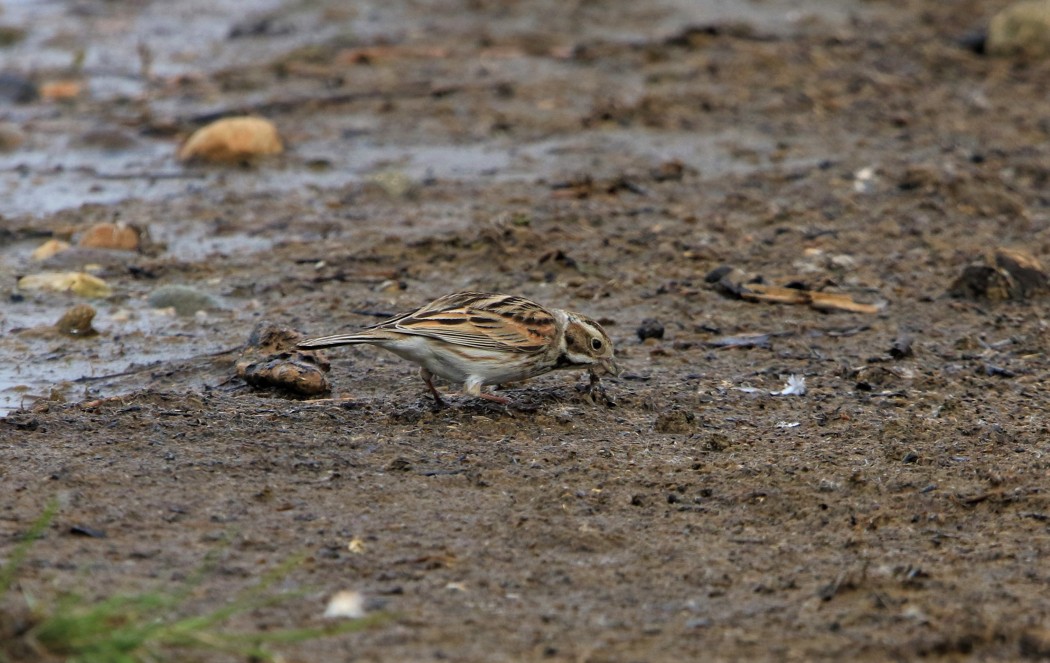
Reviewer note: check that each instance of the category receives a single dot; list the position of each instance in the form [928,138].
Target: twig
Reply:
[148,367]
[415,89]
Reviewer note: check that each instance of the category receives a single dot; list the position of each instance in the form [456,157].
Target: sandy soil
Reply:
[606,162]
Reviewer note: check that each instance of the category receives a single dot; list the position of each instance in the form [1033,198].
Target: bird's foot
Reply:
[597,393]
[502,400]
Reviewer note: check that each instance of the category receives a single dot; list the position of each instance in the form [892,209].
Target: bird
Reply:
[486,338]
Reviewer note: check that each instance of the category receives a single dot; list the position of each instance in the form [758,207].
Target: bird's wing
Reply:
[481,320]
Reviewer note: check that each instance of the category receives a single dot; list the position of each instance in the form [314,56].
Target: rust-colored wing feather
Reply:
[480,320]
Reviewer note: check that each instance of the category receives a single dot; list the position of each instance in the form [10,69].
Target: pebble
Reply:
[232,140]
[119,236]
[10,138]
[394,183]
[185,300]
[48,249]
[1021,28]
[347,604]
[11,35]
[79,283]
[650,328]
[77,321]
[16,89]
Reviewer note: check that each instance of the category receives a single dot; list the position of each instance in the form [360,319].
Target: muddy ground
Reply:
[603,157]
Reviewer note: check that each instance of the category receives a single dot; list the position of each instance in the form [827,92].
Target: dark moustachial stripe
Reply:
[564,361]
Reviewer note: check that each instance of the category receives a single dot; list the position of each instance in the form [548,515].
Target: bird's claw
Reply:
[597,393]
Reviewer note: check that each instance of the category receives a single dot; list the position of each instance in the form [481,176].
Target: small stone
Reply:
[718,273]
[1023,28]
[65,90]
[391,286]
[17,89]
[185,300]
[669,171]
[85,530]
[48,249]
[11,35]
[118,236]
[10,138]
[347,604]
[902,346]
[1035,643]
[650,328]
[232,140]
[79,283]
[842,262]
[565,415]
[77,321]
[394,183]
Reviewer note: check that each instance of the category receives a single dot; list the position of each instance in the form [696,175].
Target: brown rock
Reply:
[232,140]
[117,236]
[77,321]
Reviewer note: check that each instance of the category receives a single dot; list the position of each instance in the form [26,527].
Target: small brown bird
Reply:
[482,338]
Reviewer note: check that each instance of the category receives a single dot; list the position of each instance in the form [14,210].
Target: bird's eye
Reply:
[596,344]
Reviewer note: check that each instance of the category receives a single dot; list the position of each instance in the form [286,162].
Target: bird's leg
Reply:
[474,389]
[428,378]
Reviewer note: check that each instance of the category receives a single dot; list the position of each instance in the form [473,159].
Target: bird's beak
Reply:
[610,367]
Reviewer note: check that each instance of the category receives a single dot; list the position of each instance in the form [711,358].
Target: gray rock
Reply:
[184,299]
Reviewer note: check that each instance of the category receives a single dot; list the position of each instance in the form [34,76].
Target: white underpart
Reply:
[481,367]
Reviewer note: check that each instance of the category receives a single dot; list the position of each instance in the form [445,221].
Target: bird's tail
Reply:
[337,339]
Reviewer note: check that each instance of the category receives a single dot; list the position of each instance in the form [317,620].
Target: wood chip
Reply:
[822,301]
